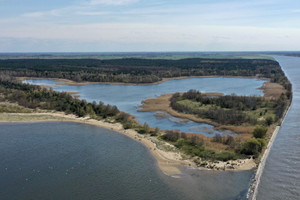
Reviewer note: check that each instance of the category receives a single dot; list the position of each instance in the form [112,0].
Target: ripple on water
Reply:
[281,175]
[77,161]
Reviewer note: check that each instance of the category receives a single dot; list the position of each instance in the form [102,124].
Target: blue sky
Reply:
[156,25]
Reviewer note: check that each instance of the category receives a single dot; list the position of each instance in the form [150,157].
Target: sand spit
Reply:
[168,159]
[253,188]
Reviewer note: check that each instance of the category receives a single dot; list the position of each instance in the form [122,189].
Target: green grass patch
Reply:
[14,109]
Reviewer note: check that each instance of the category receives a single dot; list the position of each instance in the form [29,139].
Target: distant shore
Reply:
[270,90]
[70,82]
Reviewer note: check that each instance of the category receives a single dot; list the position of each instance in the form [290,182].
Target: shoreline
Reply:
[168,161]
[162,103]
[70,82]
[167,165]
[253,190]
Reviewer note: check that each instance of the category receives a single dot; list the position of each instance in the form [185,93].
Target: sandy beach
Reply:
[168,160]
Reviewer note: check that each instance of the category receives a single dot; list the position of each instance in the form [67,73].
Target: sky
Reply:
[149,25]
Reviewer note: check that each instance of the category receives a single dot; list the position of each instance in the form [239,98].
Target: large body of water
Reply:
[55,160]
[76,161]
[128,97]
[281,175]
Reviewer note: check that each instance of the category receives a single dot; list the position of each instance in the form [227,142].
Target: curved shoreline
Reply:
[162,103]
[168,161]
[163,160]
[70,82]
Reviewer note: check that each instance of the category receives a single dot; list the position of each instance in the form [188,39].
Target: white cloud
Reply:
[112,2]
[152,26]
[151,33]
[34,14]
[92,13]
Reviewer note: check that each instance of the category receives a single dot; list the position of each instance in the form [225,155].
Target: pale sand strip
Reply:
[252,193]
[70,82]
[168,160]
[262,165]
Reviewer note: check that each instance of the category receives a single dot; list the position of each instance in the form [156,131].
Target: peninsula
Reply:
[185,148]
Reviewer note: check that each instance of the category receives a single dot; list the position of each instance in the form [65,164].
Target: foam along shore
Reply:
[168,159]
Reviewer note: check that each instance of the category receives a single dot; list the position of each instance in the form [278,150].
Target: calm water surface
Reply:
[76,161]
[27,150]
[281,175]
[128,97]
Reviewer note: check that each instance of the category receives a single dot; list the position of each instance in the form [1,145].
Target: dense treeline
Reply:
[228,109]
[31,96]
[133,70]
[224,109]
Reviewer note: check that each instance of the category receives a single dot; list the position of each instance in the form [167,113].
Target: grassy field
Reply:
[14,113]
[260,114]
[16,117]
[6,108]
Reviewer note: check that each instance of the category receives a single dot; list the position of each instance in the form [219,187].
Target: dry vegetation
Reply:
[217,147]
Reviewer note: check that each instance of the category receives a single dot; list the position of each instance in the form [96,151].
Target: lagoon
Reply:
[128,98]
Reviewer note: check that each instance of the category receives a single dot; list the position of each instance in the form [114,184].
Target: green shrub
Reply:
[180,143]
[141,130]
[269,120]
[253,146]
[127,125]
[260,132]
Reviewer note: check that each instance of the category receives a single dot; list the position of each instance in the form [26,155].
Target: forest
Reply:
[135,70]
[35,97]
[230,109]
[238,111]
